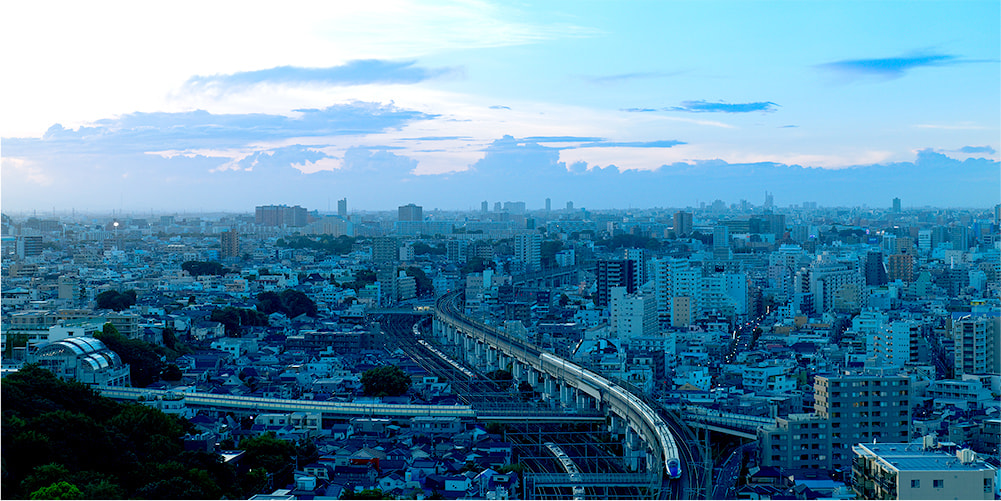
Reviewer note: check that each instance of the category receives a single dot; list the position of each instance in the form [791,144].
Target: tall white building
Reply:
[528,250]
[894,344]
[678,287]
[633,315]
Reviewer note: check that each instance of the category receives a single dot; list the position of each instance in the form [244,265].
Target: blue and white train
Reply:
[652,428]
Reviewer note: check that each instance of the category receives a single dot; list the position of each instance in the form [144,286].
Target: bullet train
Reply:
[655,432]
[653,429]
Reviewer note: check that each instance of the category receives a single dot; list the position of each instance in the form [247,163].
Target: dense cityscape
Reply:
[525,350]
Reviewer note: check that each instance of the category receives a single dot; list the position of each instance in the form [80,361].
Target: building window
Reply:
[915,484]
[938,484]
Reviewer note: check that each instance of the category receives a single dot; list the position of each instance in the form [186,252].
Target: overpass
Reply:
[739,425]
[648,442]
[254,405]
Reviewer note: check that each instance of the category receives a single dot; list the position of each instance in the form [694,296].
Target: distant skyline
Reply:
[225,106]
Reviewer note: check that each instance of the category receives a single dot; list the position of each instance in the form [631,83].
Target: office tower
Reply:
[682,223]
[896,206]
[614,273]
[411,212]
[497,206]
[229,242]
[569,204]
[484,206]
[528,250]
[769,200]
[862,408]
[721,243]
[385,249]
[342,207]
[977,347]
[875,272]
[549,205]
[281,215]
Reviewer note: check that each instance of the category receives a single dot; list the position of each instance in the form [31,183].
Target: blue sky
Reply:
[611,104]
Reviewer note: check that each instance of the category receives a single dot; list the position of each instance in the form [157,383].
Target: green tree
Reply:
[58,490]
[424,285]
[268,452]
[289,301]
[386,380]
[142,357]
[114,300]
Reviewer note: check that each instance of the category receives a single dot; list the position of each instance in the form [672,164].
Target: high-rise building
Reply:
[411,212]
[875,272]
[895,344]
[721,243]
[515,207]
[862,408]
[229,242]
[977,339]
[901,267]
[896,205]
[769,200]
[456,251]
[549,205]
[569,204]
[342,207]
[633,315]
[281,215]
[528,250]
[682,223]
[385,249]
[29,246]
[614,273]
[484,206]
[642,258]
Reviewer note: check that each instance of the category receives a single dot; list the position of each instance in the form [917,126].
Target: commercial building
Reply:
[862,408]
[229,242]
[920,471]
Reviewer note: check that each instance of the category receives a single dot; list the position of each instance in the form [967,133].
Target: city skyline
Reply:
[445,104]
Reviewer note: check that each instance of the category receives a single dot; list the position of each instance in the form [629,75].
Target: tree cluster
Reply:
[630,241]
[199,268]
[289,301]
[114,300]
[145,359]
[234,319]
[362,278]
[327,243]
[62,440]
[424,284]
[386,380]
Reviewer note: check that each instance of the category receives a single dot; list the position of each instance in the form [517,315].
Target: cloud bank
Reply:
[360,72]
